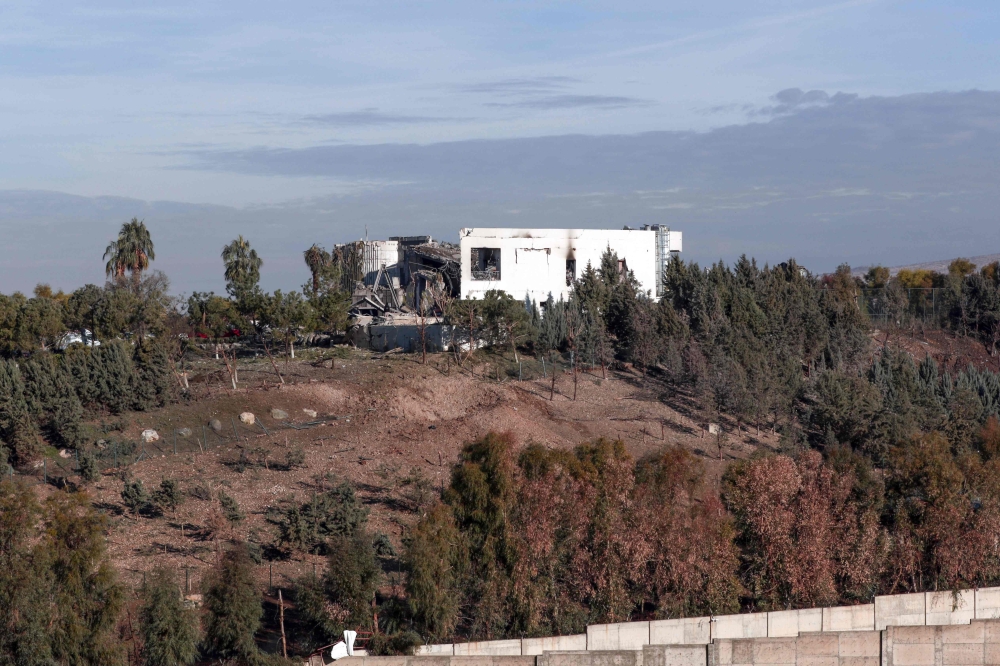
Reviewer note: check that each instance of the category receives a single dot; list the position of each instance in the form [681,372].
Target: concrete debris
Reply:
[248,418]
[279,414]
[150,435]
[714,429]
[311,413]
[216,425]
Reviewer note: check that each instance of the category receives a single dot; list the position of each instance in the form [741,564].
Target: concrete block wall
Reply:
[974,644]
[849,648]
[675,655]
[923,609]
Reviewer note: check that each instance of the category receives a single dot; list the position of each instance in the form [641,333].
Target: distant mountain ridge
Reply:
[939,266]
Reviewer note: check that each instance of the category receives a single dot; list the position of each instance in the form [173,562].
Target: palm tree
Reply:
[242,267]
[316,259]
[132,251]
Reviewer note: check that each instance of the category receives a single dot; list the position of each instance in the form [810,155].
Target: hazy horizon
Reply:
[862,131]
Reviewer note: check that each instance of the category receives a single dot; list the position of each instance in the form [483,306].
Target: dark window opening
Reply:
[485,263]
[570,272]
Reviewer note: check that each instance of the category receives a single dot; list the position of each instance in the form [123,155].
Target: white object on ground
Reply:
[311,413]
[344,648]
[247,417]
[150,435]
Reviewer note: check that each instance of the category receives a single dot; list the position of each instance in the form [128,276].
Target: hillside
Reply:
[399,426]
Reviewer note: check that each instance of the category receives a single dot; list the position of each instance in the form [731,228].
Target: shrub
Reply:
[230,508]
[295,458]
[399,643]
[90,470]
[336,512]
[168,496]
[383,546]
[353,576]
[134,496]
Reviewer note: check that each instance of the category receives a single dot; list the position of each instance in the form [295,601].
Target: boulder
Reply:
[65,453]
[184,432]
[279,414]
[248,418]
[311,413]
[216,425]
[150,435]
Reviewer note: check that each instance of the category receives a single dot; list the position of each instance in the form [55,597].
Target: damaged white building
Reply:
[539,262]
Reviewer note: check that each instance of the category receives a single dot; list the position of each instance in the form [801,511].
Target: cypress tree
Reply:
[169,631]
[52,400]
[112,374]
[152,385]
[233,606]
[17,429]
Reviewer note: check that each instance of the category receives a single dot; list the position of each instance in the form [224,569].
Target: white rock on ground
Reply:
[216,425]
[311,413]
[150,435]
[248,418]
[64,453]
[278,414]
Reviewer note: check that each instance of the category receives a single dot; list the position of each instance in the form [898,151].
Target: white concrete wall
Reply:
[436,649]
[747,625]
[949,607]
[533,261]
[987,603]
[536,646]
[789,624]
[620,636]
[900,610]
[510,647]
[683,631]
[849,618]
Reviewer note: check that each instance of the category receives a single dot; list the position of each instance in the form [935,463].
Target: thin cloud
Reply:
[371,118]
[551,102]
[519,86]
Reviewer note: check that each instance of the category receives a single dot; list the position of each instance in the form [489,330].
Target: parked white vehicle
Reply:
[74,338]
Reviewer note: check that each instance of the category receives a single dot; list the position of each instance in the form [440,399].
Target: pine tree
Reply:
[230,508]
[233,607]
[353,576]
[113,375]
[169,630]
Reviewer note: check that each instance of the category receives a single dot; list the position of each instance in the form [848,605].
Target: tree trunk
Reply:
[273,364]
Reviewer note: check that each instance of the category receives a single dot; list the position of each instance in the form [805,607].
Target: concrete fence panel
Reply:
[436,649]
[621,636]
[785,624]
[683,631]
[537,646]
[511,647]
[849,618]
[950,607]
[987,603]
[748,625]
[900,610]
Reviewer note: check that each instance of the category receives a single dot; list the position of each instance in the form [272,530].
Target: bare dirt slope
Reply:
[400,426]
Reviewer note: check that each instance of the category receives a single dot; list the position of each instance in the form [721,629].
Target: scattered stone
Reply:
[311,413]
[150,435]
[247,418]
[279,414]
[328,365]
[102,444]
[64,453]
[216,425]
[184,432]
[714,428]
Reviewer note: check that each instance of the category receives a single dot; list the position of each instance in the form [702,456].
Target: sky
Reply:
[861,131]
